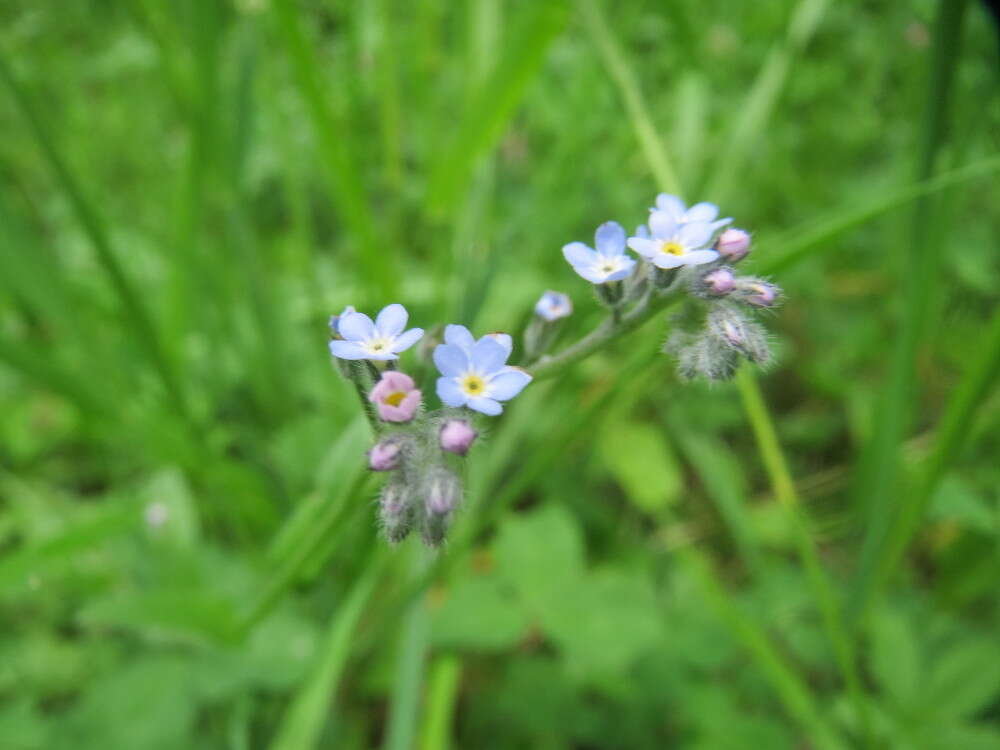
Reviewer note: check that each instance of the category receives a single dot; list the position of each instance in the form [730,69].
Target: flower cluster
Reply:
[415,448]
[683,253]
[689,250]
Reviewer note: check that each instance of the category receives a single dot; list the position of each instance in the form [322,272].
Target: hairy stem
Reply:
[612,327]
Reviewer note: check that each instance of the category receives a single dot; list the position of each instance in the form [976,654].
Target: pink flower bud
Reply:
[457,436]
[395,396]
[719,282]
[384,455]
[733,245]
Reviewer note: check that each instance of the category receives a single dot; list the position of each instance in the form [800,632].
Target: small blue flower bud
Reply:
[734,330]
[715,283]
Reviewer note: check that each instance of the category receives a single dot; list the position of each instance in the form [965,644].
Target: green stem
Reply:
[442,692]
[784,489]
[610,329]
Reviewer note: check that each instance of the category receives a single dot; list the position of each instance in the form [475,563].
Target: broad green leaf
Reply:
[641,459]
[478,615]
[963,680]
[896,658]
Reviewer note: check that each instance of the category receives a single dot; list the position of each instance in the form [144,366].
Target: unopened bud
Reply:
[733,330]
[456,436]
[552,306]
[718,282]
[386,454]
[757,292]
[733,245]
[442,494]
[395,511]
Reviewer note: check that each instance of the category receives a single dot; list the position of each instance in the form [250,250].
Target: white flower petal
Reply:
[699,257]
[356,327]
[662,225]
[646,248]
[392,320]
[671,205]
[702,212]
[695,236]
[347,350]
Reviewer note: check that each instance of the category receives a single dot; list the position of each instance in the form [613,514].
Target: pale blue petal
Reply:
[347,350]
[392,320]
[721,223]
[459,336]
[503,339]
[507,384]
[578,254]
[662,225]
[487,406]
[702,212]
[356,327]
[591,274]
[642,231]
[405,340]
[610,238]
[695,236]
[698,257]
[450,360]
[671,205]
[624,273]
[645,248]
[450,392]
[488,356]
[382,357]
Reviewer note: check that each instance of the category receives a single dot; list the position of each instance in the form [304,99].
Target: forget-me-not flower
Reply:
[675,244]
[699,213]
[553,305]
[383,339]
[475,373]
[608,262]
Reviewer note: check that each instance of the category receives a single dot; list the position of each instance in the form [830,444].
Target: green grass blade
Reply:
[784,489]
[310,707]
[442,692]
[137,317]
[976,385]
[332,134]
[756,110]
[406,694]
[878,477]
[525,47]
[635,105]
[797,244]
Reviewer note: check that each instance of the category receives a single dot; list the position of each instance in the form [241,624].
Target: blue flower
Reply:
[699,213]
[475,373]
[675,243]
[383,339]
[553,305]
[608,262]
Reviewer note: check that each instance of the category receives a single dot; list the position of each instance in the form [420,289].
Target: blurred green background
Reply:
[188,553]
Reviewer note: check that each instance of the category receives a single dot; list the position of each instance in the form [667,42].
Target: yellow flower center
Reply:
[473,385]
[394,399]
[672,248]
